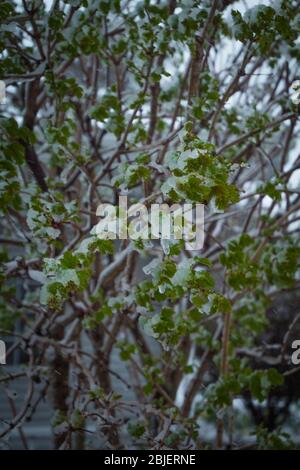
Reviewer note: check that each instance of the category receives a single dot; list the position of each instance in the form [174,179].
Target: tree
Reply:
[168,102]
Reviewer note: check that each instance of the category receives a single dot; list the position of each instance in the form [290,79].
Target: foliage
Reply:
[165,101]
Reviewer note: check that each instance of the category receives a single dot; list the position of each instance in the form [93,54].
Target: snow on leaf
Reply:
[152,267]
[183,273]
[37,276]
[52,232]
